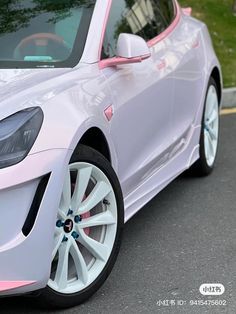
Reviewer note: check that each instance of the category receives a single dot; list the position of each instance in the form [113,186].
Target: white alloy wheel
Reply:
[210,130]
[85,230]
[211,126]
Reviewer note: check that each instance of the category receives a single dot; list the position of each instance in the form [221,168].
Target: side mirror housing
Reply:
[131,46]
[130,49]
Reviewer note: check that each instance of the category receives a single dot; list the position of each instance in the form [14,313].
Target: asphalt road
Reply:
[184,237]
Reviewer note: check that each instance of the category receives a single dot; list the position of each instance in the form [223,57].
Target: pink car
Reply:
[103,103]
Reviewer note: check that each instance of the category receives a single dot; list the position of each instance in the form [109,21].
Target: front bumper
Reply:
[25,261]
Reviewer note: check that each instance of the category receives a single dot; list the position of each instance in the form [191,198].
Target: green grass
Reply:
[218,16]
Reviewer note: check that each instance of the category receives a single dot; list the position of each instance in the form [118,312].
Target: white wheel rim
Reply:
[211,126]
[73,272]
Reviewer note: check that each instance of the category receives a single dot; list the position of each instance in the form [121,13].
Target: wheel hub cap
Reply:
[68,226]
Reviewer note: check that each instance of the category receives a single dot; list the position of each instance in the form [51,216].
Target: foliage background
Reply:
[221,21]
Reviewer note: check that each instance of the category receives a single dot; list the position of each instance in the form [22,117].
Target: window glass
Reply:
[167,9]
[146,18]
[35,33]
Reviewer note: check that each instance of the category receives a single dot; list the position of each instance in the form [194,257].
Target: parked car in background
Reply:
[102,104]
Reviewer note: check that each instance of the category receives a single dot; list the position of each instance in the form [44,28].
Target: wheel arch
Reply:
[95,139]
[215,74]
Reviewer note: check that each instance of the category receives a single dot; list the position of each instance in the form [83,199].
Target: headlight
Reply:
[18,134]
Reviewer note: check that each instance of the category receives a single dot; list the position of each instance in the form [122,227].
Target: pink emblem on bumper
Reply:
[9,285]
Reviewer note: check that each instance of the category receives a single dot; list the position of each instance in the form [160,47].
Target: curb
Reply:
[229,97]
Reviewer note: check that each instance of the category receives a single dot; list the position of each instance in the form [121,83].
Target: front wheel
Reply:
[209,139]
[87,231]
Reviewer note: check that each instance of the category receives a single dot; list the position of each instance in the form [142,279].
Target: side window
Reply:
[146,18]
[162,14]
[167,8]
[117,23]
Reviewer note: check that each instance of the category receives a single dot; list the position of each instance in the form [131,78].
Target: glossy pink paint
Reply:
[9,285]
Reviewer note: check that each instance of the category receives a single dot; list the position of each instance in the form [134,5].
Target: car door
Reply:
[142,95]
[188,76]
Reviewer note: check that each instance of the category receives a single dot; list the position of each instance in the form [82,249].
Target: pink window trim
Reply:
[118,60]
[9,285]
[104,28]
[151,42]
[169,30]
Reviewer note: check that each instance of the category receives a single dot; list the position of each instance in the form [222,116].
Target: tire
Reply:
[97,259]
[209,138]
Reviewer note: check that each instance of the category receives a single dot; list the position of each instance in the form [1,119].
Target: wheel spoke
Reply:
[62,214]
[212,107]
[81,267]
[66,194]
[61,277]
[102,219]
[97,249]
[213,117]
[57,243]
[212,133]
[81,185]
[211,101]
[211,146]
[207,144]
[100,191]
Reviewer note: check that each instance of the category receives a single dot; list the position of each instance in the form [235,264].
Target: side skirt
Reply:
[159,180]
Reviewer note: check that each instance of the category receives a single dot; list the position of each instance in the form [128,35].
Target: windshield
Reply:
[43,33]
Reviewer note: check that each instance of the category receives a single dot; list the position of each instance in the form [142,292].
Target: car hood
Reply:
[17,80]
[21,88]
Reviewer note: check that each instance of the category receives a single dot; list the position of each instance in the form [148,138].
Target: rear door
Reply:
[141,127]
[188,77]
